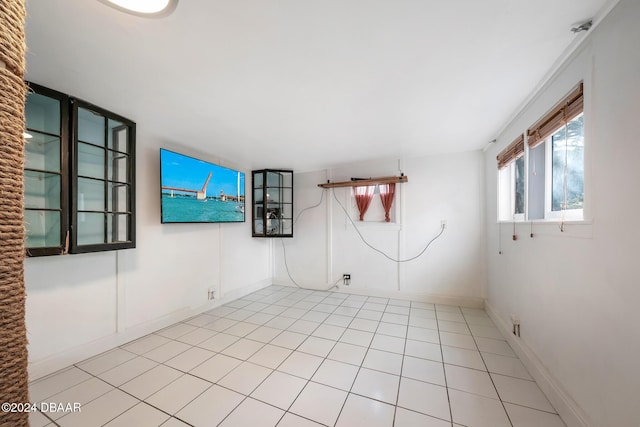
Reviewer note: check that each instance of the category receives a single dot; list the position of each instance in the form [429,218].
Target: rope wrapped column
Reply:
[14,386]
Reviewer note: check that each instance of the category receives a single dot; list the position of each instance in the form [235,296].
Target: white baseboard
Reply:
[568,409]
[470,302]
[43,367]
[245,290]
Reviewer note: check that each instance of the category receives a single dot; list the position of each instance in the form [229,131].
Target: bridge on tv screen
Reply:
[202,193]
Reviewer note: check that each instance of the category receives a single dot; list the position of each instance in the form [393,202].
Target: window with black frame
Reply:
[79,176]
[272,203]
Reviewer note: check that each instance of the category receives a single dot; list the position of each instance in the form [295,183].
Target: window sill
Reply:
[381,224]
[553,221]
[575,229]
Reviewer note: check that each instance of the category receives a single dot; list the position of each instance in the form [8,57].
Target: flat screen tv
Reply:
[194,190]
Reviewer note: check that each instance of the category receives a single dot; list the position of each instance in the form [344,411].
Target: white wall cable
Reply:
[378,250]
[284,250]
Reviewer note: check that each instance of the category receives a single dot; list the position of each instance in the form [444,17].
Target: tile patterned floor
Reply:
[289,357]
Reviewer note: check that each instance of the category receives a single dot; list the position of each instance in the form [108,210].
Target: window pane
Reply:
[287,211]
[117,228]
[117,135]
[287,194]
[41,190]
[568,160]
[274,225]
[90,161]
[90,127]
[504,197]
[42,113]
[90,228]
[117,198]
[90,195]
[519,186]
[257,180]
[43,228]
[287,179]
[273,194]
[117,165]
[257,195]
[274,179]
[42,152]
[536,175]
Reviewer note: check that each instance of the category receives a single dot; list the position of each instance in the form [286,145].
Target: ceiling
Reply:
[307,84]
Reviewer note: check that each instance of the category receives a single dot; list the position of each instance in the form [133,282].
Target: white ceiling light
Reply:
[148,8]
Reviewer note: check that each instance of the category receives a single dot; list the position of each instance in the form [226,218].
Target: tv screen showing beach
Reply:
[197,191]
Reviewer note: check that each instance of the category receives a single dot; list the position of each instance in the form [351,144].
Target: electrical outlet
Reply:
[211,294]
[346,278]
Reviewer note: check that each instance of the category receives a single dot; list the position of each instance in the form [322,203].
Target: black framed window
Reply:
[272,203]
[102,188]
[46,179]
[79,176]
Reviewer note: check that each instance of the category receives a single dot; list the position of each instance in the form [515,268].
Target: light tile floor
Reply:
[289,357]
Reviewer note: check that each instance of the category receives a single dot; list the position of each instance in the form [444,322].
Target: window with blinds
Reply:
[548,161]
[512,181]
[559,136]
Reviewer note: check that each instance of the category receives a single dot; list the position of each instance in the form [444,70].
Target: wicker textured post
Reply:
[13,339]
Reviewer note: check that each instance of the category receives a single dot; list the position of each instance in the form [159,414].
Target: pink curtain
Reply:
[387,192]
[364,195]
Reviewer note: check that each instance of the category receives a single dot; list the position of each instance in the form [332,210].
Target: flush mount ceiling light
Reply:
[146,8]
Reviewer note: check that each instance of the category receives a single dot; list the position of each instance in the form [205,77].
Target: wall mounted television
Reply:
[196,191]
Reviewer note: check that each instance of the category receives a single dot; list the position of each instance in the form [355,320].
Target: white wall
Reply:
[576,293]
[442,187]
[79,305]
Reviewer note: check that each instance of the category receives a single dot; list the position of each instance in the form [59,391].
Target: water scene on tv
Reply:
[197,191]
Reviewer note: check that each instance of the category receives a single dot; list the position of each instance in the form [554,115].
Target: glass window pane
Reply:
[287,226]
[536,182]
[42,113]
[287,194]
[117,136]
[259,211]
[519,186]
[287,211]
[274,225]
[257,180]
[90,161]
[42,152]
[43,228]
[274,179]
[90,127]
[90,195]
[257,195]
[117,198]
[287,179]
[274,210]
[117,166]
[258,226]
[117,228]
[41,190]
[273,194]
[90,228]
[568,160]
